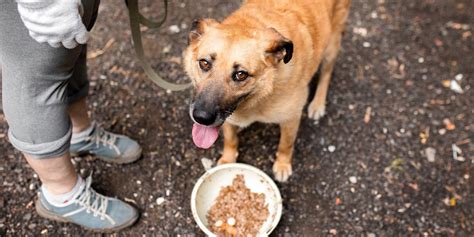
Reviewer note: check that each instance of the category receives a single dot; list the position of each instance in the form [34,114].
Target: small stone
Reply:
[32,186]
[139,182]
[442,131]
[366,45]
[333,231]
[353,179]
[454,86]
[430,153]
[166,49]
[160,200]
[206,163]
[360,31]
[458,77]
[421,60]
[27,217]
[371,235]
[174,29]
[331,148]
[44,231]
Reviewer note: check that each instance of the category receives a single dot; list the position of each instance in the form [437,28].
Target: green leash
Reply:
[136,18]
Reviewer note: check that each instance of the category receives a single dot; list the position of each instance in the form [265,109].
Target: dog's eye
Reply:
[240,76]
[205,65]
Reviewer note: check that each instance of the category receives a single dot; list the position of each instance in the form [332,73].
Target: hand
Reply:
[56,22]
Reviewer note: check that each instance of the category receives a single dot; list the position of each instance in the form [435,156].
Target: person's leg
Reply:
[79,117]
[87,136]
[56,173]
[35,79]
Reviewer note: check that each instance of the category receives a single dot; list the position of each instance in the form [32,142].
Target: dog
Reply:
[256,65]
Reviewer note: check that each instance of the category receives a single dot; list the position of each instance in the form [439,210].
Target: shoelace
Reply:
[91,201]
[104,137]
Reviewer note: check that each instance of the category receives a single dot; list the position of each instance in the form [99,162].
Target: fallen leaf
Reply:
[99,52]
[130,200]
[368,112]
[466,34]
[446,83]
[452,202]
[448,124]
[424,137]
[414,186]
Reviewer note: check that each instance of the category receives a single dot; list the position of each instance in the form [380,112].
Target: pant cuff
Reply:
[43,150]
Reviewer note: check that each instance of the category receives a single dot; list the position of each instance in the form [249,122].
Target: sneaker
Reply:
[107,146]
[90,210]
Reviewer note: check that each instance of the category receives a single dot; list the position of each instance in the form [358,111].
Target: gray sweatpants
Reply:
[38,83]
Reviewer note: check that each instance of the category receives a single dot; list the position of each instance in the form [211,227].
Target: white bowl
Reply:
[208,186]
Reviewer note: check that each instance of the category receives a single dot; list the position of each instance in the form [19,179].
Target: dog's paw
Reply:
[282,171]
[316,110]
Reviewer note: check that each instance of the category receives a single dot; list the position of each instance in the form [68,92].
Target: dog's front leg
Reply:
[282,166]
[231,142]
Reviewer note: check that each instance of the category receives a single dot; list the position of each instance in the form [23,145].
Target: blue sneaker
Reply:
[90,210]
[107,146]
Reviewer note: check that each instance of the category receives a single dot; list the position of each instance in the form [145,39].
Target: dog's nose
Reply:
[204,117]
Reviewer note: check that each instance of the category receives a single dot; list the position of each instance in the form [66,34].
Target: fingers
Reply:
[82,35]
[54,43]
[69,43]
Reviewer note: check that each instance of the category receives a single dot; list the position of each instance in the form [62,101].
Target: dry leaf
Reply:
[448,124]
[368,112]
[446,83]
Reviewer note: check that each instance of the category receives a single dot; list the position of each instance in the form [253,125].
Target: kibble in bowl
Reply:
[224,196]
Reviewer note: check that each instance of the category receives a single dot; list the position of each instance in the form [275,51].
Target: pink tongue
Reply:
[203,136]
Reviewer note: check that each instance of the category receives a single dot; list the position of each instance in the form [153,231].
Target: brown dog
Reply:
[255,66]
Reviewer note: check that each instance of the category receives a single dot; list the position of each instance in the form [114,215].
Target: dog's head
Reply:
[231,66]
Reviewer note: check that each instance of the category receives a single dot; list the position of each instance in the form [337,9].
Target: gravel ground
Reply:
[362,171]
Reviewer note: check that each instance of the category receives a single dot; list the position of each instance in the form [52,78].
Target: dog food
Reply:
[237,211]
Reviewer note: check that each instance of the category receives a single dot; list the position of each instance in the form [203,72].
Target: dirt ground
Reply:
[362,171]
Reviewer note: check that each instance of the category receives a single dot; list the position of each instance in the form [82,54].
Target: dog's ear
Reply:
[280,48]
[199,27]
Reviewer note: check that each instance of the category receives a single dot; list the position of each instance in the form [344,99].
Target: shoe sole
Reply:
[43,212]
